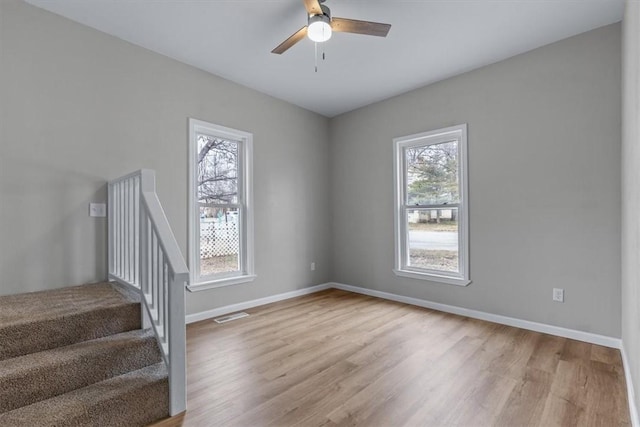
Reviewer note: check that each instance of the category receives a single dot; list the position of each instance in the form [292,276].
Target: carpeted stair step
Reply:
[38,321]
[133,399]
[38,376]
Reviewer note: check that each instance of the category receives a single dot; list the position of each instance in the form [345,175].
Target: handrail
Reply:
[144,256]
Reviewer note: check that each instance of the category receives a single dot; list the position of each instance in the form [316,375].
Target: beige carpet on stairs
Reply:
[38,321]
[77,357]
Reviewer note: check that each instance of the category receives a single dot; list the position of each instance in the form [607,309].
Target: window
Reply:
[431,215]
[220,206]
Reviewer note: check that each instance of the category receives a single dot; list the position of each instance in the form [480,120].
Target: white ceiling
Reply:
[429,40]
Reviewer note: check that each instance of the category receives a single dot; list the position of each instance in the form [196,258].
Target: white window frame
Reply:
[402,267]
[246,272]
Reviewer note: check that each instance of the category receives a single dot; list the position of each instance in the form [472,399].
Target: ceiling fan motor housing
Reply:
[319,25]
[325,12]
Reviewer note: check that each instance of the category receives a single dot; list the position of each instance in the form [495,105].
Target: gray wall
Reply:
[79,107]
[631,190]
[544,155]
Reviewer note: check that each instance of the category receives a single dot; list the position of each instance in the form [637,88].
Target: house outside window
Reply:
[220,206]
[431,206]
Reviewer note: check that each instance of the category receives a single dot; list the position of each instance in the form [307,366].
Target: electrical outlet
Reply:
[558,294]
[98,209]
[313,266]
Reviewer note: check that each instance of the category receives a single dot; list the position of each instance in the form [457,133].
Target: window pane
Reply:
[432,174]
[219,240]
[433,239]
[217,170]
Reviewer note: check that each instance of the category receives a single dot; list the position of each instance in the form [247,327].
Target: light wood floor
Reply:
[338,358]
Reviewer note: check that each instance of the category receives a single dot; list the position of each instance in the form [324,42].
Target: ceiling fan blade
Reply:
[360,27]
[295,38]
[313,7]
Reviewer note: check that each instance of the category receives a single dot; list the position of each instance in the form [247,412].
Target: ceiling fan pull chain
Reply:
[315,44]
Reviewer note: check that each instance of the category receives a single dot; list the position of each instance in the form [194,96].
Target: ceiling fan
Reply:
[320,26]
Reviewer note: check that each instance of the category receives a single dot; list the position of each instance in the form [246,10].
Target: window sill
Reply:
[432,277]
[219,283]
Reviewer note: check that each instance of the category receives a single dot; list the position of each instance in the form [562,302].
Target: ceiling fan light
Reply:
[319,29]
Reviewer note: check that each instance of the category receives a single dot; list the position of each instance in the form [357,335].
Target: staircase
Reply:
[78,357]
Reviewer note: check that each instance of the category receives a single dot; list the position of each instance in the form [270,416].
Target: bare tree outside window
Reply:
[217,202]
[432,174]
[432,179]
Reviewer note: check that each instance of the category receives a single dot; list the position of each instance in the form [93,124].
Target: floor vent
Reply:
[230,317]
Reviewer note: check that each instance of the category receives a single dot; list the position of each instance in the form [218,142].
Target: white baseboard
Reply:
[475,314]
[209,314]
[495,318]
[631,394]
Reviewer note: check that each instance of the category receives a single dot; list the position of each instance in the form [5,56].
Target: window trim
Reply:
[245,178]
[458,132]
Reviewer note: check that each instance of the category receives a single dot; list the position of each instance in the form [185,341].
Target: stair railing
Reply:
[144,255]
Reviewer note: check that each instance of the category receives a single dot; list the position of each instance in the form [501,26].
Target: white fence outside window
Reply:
[219,237]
